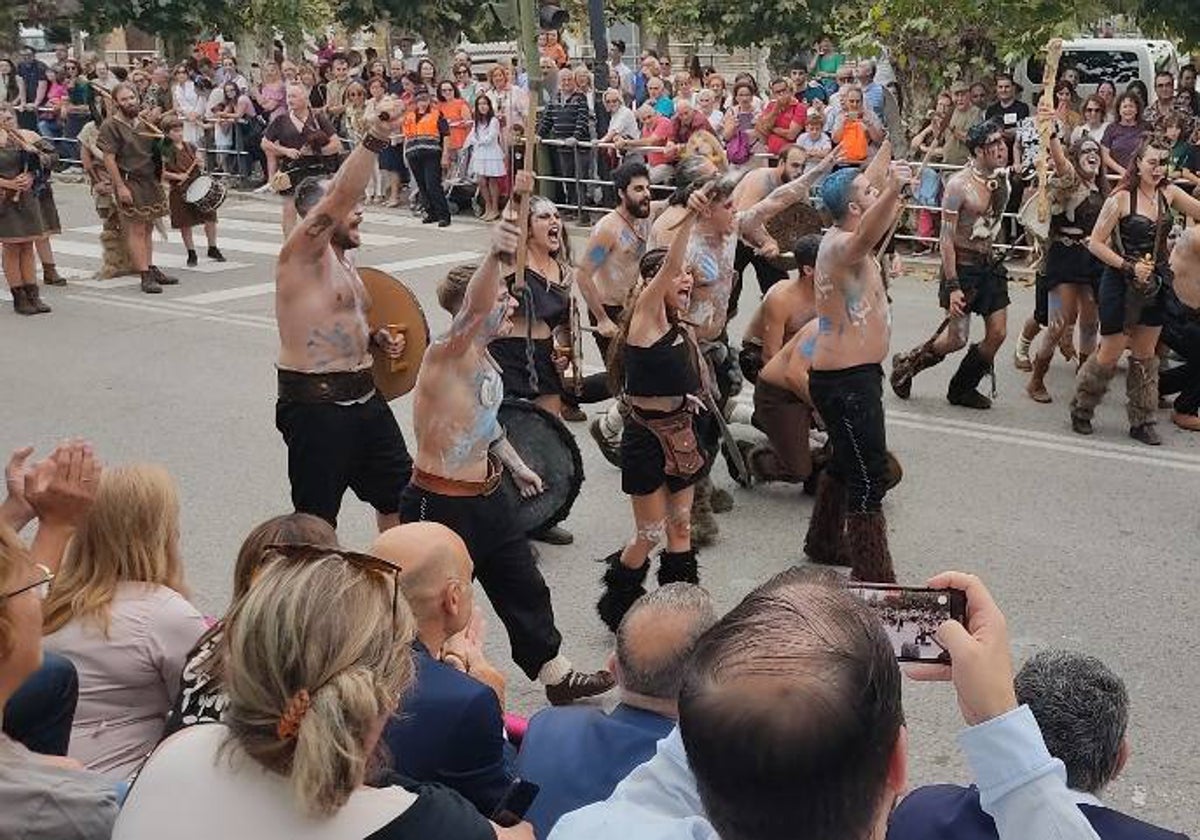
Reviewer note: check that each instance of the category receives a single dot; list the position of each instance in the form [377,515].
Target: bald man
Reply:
[451,726]
[578,755]
[1181,332]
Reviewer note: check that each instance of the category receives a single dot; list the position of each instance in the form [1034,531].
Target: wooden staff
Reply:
[528,48]
[1046,128]
[153,131]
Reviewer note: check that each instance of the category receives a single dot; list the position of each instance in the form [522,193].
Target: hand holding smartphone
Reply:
[911,616]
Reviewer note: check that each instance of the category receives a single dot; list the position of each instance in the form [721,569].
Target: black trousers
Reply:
[570,162]
[332,447]
[1184,379]
[767,274]
[426,167]
[504,565]
[851,403]
[39,715]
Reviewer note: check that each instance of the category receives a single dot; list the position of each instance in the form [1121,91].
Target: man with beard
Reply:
[756,185]
[609,267]
[135,166]
[973,279]
[847,527]
[461,456]
[339,431]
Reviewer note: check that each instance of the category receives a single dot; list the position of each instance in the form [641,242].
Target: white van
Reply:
[1117,60]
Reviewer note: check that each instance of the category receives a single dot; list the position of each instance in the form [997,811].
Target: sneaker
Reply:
[577,686]
[554,535]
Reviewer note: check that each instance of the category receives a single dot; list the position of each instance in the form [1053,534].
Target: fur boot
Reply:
[865,548]
[827,522]
[907,365]
[966,379]
[1090,386]
[622,586]
[1141,389]
[678,567]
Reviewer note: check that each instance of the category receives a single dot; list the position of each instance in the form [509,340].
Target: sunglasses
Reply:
[1091,110]
[301,553]
[41,586]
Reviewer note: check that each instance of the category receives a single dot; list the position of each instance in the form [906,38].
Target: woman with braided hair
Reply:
[318,655]
[655,363]
[1130,238]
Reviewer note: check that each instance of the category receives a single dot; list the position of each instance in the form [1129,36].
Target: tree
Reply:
[439,22]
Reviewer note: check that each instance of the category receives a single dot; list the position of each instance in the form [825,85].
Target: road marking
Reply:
[93,250]
[371,217]
[1016,436]
[170,308]
[236,293]
[425,262]
[110,283]
[267,245]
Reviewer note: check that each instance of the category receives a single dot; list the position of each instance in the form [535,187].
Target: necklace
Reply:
[990,181]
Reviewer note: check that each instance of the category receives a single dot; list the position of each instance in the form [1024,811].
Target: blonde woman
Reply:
[318,657]
[118,612]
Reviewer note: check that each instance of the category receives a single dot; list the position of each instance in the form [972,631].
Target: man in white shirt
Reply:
[616,60]
[790,717]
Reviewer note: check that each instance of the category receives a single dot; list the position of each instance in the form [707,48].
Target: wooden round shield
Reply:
[394,307]
[788,226]
[545,444]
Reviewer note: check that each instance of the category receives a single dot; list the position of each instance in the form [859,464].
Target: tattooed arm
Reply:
[750,221]
[597,252]
[311,235]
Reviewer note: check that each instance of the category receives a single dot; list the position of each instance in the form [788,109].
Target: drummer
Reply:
[181,167]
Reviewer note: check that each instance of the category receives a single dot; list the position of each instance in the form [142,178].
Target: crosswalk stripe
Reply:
[227,243]
[371,217]
[425,262]
[178,307]
[163,259]
[258,226]
[236,293]
[110,283]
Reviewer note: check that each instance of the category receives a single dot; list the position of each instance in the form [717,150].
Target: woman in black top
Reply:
[526,357]
[654,362]
[1130,238]
[1071,273]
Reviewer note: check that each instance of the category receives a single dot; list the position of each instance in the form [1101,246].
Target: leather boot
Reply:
[865,548]
[622,586]
[164,279]
[51,277]
[1141,389]
[705,529]
[1090,386]
[21,303]
[966,379]
[678,567]
[1037,380]
[150,284]
[907,365]
[827,521]
[34,296]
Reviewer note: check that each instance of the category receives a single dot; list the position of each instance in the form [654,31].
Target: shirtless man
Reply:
[847,526]
[461,456]
[753,188]
[783,412]
[786,307]
[339,431]
[973,280]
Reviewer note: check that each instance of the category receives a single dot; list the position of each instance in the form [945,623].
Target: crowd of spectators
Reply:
[347,695]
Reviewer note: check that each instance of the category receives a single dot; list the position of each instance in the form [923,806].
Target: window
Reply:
[1118,67]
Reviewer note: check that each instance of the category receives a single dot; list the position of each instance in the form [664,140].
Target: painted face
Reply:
[499,322]
[1089,158]
[995,151]
[545,229]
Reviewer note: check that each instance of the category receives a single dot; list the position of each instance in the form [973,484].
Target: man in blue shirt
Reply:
[33,74]
[790,724]
[805,88]
[1082,709]
[873,96]
[450,729]
[578,755]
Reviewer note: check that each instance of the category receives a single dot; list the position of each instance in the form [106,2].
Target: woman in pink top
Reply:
[117,612]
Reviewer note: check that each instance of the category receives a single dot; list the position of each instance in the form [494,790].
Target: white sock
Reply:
[555,671]
[612,423]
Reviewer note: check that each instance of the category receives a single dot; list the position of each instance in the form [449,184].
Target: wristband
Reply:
[375,144]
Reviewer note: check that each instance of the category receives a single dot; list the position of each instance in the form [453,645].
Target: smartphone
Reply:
[911,616]
[512,808]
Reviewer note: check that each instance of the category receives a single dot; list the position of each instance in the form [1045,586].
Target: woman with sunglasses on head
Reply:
[1095,120]
[1071,273]
[1130,238]
[317,659]
[201,697]
[118,611]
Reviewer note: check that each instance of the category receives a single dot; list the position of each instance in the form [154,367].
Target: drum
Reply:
[544,443]
[205,194]
[395,308]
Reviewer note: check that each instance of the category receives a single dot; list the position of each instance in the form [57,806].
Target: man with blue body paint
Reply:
[847,527]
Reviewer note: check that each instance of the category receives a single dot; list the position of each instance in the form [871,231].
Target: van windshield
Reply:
[1116,66]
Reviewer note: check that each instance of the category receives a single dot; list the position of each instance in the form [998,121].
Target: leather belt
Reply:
[338,386]
[439,484]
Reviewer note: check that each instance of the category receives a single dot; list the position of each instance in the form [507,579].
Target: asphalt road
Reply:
[1089,544]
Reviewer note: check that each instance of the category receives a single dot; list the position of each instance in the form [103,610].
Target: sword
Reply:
[740,469]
